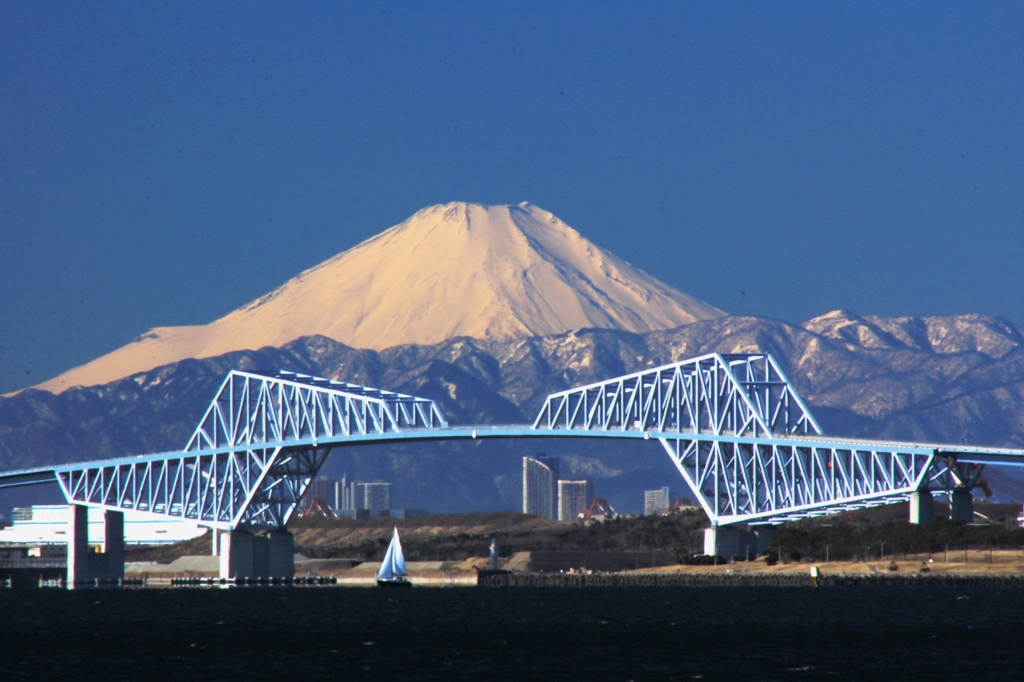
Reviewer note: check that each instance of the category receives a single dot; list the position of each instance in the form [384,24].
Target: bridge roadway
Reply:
[737,431]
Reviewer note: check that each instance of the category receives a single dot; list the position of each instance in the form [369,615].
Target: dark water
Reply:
[480,634]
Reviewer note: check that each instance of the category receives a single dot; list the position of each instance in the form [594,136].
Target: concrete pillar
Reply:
[729,542]
[763,535]
[280,554]
[214,541]
[113,544]
[78,546]
[711,541]
[99,568]
[236,558]
[961,505]
[260,556]
[922,510]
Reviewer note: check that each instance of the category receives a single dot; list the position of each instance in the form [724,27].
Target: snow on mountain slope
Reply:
[488,272]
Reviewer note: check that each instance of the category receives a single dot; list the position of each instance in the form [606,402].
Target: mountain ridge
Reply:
[965,384]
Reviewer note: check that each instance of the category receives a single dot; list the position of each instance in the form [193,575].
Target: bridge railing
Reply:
[717,394]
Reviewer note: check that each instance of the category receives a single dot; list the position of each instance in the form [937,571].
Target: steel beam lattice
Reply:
[255,408]
[742,438]
[719,394]
[774,480]
[254,452]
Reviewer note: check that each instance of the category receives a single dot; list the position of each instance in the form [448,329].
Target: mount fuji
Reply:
[496,273]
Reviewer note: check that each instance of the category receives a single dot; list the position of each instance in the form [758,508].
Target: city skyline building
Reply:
[574,496]
[348,493]
[540,486]
[347,497]
[330,490]
[657,501]
[372,497]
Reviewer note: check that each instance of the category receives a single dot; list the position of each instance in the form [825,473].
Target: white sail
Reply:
[394,562]
[386,571]
[397,558]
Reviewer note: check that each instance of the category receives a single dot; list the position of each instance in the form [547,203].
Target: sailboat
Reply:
[392,570]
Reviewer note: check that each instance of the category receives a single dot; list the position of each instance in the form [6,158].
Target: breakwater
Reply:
[502,579]
[299,581]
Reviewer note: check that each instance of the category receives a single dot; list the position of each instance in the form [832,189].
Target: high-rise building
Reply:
[574,497]
[353,496]
[327,489]
[348,493]
[540,486]
[375,497]
[657,501]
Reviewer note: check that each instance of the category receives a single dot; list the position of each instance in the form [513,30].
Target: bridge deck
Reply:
[963,453]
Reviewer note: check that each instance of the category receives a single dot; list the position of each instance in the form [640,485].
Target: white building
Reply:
[540,486]
[574,497]
[48,524]
[657,501]
[375,497]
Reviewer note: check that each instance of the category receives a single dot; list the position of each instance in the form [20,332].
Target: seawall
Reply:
[502,579]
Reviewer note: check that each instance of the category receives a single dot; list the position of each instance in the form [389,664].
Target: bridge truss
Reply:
[253,454]
[747,445]
[734,426]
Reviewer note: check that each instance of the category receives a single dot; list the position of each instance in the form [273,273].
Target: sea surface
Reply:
[658,633]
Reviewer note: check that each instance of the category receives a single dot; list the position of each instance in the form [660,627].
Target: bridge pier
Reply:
[281,554]
[961,505]
[244,555]
[922,508]
[78,546]
[236,555]
[260,556]
[113,545]
[86,568]
[728,542]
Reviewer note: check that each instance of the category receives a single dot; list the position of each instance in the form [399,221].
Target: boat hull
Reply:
[393,582]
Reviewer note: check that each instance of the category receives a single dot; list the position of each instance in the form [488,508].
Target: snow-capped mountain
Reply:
[488,272]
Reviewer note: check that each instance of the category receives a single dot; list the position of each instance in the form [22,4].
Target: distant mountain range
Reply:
[946,379]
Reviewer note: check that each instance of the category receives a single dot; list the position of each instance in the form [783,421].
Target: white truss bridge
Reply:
[738,432]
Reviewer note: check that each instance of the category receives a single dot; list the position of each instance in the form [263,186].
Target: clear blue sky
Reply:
[164,163]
